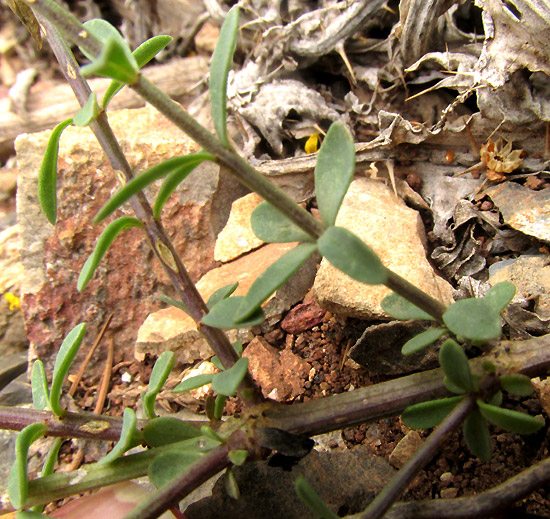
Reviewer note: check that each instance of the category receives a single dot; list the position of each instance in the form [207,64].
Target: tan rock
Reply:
[406,447]
[396,233]
[237,237]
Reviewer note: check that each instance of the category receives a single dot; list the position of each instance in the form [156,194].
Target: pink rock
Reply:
[302,317]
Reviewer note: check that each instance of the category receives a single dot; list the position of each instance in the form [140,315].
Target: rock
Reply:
[523,209]
[542,387]
[406,447]
[129,278]
[302,317]
[203,368]
[281,375]
[395,232]
[237,237]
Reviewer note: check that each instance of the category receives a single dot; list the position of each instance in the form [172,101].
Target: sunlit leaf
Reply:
[500,295]
[334,170]
[238,457]
[474,319]
[18,482]
[102,30]
[103,243]
[352,256]
[115,62]
[221,293]
[175,303]
[194,382]
[88,112]
[227,382]
[29,514]
[517,384]
[399,308]
[276,275]
[167,429]
[169,465]
[219,70]
[272,226]
[65,356]
[476,434]
[161,370]
[455,365]
[223,314]
[39,386]
[429,414]
[510,420]
[312,500]
[47,177]
[420,341]
[231,486]
[127,439]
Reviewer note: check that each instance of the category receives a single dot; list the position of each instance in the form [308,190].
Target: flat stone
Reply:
[406,447]
[303,317]
[237,237]
[396,233]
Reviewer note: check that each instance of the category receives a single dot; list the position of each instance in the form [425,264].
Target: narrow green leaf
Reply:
[476,434]
[29,514]
[455,365]
[429,414]
[227,382]
[174,302]
[237,346]
[140,182]
[474,319]
[272,226]
[127,438]
[169,465]
[65,356]
[219,70]
[509,420]
[517,384]
[194,382]
[420,341]
[312,500]
[500,295]
[167,429]
[39,386]
[47,177]
[238,457]
[116,61]
[88,112]
[143,54]
[219,406]
[276,275]
[334,170]
[399,308]
[18,482]
[161,370]
[223,315]
[221,293]
[352,256]
[207,431]
[231,486]
[103,243]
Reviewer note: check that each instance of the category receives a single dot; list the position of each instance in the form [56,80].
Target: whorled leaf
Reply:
[168,465]
[162,368]
[334,170]
[219,70]
[272,226]
[517,384]
[474,319]
[312,500]
[455,365]
[221,293]
[65,356]
[47,176]
[103,243]
[476,434]
[429,414]
[227,382]
[399,308]
[420,341]
[223,314]
[39,386]
[510,420]
[194,382]
[167,429]
[128,436]
[88,113]
[352,256]
[500,295]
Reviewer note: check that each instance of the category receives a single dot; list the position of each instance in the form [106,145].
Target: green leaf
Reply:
[227,382]
[509,420]
[312,500]
[88,112]
[29,514]
[276,275]
[169,465]
[517,384]
[453,388]
[474,319]
[18,482]
[420,341]
[237,346]
[455,365]
[194,382]
[101,30]
[238,457]
[103,243]
[272,226]
[128,434]
[186,163]
[219,406]
[496,399]
[334,170]
[429,414]
[115,61]
[399,308]
[220,294]
[167,429]
[476,434]
[352,256]
[500,295]
[223,315]
[161,370]
[51,458]
[208,432]
[174,302]
[231,486]
[219,70]
[65,356]
[47,177]
[143,54]
[39,386]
